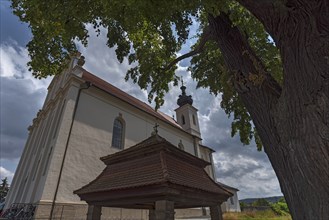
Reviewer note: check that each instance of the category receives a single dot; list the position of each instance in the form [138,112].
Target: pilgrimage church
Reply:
[84,119]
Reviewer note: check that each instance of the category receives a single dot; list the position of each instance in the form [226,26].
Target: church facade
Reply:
[84,118]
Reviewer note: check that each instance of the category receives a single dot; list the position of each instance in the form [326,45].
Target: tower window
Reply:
[193,117]
[118,133]
[183,120]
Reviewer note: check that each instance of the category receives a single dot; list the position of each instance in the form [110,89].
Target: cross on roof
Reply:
[156,128]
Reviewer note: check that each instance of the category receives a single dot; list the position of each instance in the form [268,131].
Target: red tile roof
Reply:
[123,96]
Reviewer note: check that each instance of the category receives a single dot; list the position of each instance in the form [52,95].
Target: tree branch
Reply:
[256,87]
[268,12]
[206,35]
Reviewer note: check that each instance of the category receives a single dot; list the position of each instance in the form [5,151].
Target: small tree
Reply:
[280,207]
[4,188]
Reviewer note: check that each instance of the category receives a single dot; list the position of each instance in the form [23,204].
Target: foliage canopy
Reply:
[149,34]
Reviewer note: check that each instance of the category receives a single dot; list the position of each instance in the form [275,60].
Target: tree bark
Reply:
[293,122]
[303,108]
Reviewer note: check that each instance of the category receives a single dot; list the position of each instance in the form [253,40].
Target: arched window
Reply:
[118,133]
[183,120]
[193,117]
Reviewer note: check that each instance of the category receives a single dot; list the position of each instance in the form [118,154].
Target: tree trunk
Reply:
[302,114]
[293,123]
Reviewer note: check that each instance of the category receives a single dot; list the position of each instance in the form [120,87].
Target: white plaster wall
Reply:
[188,112]
[91,139]
[24,189]
[229,207]
[59,144]
[205,155]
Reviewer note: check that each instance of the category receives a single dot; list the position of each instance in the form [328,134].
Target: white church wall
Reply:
[91,139]
[31,173]
[190,115]
[205,155]
[58,110]
[29,165]
[60,143]
[34,190]
[232,204]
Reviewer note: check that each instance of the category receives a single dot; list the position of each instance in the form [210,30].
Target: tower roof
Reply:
[183,98]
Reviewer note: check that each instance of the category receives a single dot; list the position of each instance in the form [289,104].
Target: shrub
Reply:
[280,208]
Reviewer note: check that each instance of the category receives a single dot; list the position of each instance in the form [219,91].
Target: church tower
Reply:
[186,114]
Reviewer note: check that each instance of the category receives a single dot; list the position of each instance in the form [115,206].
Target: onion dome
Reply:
[183,98]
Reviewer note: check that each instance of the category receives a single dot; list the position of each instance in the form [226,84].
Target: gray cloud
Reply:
[237,165]
[6,173]
[20,98]
[21,106]
[253,177]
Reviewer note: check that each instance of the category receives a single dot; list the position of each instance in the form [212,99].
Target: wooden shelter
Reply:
[153,175]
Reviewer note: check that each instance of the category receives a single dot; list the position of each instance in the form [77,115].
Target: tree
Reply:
[268,59]
[4,188]
[261,202]
[280,207]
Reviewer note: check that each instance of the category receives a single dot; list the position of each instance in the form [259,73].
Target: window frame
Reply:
[121,133]
[183,119]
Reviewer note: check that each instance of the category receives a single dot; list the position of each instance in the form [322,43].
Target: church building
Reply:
[83,119]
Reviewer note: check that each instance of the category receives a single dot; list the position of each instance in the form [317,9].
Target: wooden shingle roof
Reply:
[153,162]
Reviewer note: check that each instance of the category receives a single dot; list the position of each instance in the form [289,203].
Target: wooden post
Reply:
[94,212]
[151,214]
[164,210]
[216,212]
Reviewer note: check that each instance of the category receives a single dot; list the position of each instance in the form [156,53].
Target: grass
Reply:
[255,215]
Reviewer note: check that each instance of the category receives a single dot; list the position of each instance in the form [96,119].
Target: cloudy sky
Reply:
[22,96]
